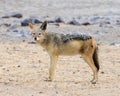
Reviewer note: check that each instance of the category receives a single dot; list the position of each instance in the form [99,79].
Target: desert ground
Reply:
[24,65]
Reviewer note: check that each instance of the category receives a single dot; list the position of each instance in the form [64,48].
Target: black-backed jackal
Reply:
[69,44]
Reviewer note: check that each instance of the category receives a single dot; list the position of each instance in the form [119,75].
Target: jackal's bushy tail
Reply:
[95,58]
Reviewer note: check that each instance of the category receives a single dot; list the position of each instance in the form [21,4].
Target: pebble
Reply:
[117,22]
[40,92]
[102,72]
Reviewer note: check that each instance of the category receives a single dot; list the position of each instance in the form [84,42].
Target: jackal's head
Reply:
[39,34]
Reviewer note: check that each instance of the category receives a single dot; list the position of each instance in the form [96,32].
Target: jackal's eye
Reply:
[39,34]
[33,34]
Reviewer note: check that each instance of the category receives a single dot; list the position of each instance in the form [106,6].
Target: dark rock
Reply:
[26,22]
[6,17]
[74,22]
[118,22]
[85,23]
[18,66]
[107,22]
[53,20]
[36,21]
[40,92]
[50,21]
[17,15]
[59,20]
[102,72]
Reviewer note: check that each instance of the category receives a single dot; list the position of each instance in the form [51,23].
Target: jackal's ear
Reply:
[31,26]
[44,25]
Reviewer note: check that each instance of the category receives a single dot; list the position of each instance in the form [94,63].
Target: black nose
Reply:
[35,38]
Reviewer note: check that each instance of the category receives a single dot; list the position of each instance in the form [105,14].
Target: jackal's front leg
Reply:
[53,62]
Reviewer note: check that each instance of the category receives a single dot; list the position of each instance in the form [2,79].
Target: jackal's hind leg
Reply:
[53,62]
[90,62]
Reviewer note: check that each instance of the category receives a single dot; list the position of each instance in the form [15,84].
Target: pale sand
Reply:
[24,71]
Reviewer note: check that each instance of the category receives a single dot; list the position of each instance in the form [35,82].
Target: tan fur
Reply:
[85,48]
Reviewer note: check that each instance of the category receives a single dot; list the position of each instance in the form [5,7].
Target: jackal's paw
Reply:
[50,78]
[93,81]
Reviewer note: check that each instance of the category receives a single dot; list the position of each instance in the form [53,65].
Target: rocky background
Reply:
[24,65]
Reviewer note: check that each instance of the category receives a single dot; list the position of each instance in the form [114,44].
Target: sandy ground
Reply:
[24,71]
